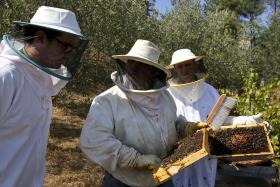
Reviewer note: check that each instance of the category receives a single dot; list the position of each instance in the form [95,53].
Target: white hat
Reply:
[54,18]
[183,55]
[146,52]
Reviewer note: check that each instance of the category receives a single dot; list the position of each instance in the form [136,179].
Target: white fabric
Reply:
[245,120]
[203,172]
[55,18]
[58,84]
[25,117]
[189,92]
[146,52]
[121,124]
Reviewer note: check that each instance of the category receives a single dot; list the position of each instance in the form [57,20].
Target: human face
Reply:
[58,50]
[186,70]
[142,73]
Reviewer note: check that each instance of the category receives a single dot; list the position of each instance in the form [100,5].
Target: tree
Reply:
[248,9]
[266,53]
[150,4]
[181,28]
[224,51]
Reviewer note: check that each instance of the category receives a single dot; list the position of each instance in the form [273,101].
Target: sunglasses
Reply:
[67,47]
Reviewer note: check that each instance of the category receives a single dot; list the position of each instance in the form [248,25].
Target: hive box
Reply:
[242,143]
[261,149]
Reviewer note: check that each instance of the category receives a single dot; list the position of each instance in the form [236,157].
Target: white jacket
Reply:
[25,117]
[123,123]
[195,108]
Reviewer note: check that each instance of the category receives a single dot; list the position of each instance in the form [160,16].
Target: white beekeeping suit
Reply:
[23,135]
[203,172]
[130,121]
[194,100]
[30,74]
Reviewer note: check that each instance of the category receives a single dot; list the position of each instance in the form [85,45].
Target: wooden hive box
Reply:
[243,143]
[167,170]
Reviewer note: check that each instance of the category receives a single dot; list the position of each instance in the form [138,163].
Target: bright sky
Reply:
[163,5]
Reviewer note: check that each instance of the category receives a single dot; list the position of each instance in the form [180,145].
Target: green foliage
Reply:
[266,53]
[181,28]
[263,99]
[8,15]
[113,26]
[221,46]
[246,8]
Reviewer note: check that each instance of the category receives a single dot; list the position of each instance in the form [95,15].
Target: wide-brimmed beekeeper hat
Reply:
[54,18]
[183,55]
[146,52]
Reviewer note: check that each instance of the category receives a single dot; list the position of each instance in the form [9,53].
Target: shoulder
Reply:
[211,91]
[111,96]
[6,66]
[113,92]
[210,88]
[9,72]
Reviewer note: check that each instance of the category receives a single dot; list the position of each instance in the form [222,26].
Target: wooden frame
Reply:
[252,156]
[165,173]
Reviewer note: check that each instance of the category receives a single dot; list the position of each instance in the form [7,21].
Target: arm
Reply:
[7,90]
[101,146]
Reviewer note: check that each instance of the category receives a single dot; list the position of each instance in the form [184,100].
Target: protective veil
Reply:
[16,42]
[188,92]
[194,102]
[123,123]
[130,79]
[23,133]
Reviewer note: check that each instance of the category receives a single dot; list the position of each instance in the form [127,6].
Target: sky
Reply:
[163,5]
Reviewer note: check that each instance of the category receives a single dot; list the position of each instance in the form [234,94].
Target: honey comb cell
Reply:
[238,141]
[183,148]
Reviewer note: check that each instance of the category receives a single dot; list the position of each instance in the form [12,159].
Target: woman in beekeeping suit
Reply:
[194,100]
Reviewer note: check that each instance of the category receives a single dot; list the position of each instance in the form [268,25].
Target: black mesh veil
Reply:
[132,80]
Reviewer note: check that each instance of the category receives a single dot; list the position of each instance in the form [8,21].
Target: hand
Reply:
[246,120]
[189,128]
[192,127]
[151,162]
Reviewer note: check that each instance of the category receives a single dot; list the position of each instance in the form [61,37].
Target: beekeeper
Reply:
[130,127]
[36,61]
[194,99]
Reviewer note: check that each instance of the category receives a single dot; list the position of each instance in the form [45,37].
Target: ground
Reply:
[65,163]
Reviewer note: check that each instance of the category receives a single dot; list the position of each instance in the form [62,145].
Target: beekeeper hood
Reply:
[188,91]
[55,19]
[145,54]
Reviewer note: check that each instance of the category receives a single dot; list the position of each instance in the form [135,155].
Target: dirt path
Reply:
[65,163]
